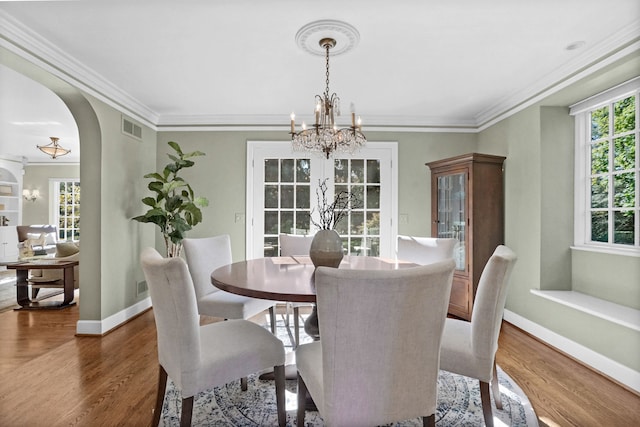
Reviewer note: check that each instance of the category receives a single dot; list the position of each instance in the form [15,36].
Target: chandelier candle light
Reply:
[324,136]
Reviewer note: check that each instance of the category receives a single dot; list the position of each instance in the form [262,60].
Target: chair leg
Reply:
[162,385]
[280,395]
[495,387]
[485,397]
[272,315]
[429,421]
[296,324]
[302,401]
[187,410]
[243,384]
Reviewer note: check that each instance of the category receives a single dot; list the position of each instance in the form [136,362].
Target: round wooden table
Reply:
[288,279]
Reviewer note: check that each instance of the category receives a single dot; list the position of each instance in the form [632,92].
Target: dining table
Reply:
[289,279]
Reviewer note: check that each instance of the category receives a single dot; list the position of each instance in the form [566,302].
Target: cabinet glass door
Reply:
[452,213]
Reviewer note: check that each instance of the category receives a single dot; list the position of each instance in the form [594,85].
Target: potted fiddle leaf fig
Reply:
[175,209]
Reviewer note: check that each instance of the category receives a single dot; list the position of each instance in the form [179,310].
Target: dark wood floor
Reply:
[50,377]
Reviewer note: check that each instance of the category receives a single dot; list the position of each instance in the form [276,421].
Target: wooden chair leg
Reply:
[243,384]
[495,387]
[485,397]
[296,324]
[280,395]
[272,316]
[429,421]
[162,386]
[302,401]
[187,410]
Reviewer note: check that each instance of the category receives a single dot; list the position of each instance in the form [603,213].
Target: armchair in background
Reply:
[53,278]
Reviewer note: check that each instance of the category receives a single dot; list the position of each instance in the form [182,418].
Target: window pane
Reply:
[624,195]
[270,246]
[357,223]
[286,222]
[357,171]
[599,227]
[358,193]
[373,197]
[270,196]
[341,169]
[599,192]
[342,226]
[373,171]
[303,196]
[287,171]
[623,225]
[373,246]
[356,246]
[286,196]
[303,222]
[624,115]
[271,170]
[271,223]
[624,156]
[373,223]
[600,123]
[600,157]
[303,170]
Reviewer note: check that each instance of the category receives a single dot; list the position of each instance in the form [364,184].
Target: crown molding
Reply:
[623,43]
[29,45]
[26,43]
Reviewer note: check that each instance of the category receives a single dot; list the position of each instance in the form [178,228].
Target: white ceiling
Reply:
[421,64]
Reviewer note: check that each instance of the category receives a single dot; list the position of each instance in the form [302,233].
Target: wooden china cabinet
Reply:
[467,203]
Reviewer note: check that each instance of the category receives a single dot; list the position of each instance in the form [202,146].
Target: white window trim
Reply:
[252,146]
[582,191]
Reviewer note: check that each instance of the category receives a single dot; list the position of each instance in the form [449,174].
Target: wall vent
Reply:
[131,129]
[141,287]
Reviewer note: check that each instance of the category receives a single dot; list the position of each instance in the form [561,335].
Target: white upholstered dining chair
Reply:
[469,348]
[203,256]
[368,369]
[293,245]
[424,250]
[198,358]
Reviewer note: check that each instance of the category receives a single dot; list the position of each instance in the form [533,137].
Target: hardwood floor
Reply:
[50,377]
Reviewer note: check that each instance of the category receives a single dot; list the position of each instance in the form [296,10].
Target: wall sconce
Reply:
[31,195]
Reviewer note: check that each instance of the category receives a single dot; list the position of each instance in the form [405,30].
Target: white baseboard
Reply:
[620,373]
[101,327]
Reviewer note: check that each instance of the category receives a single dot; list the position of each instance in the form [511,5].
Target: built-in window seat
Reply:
[616,313]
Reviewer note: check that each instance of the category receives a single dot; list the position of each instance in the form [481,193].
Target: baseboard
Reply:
[101,327]
[616,371]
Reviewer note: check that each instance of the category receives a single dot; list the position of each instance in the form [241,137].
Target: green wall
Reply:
[36,177]
[221,175]
[538,143]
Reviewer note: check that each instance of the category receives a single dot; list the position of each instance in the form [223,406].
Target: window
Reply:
[281,196]
[608,169]
[66,208]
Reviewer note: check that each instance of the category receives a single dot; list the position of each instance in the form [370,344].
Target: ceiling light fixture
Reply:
[324,136]
[53,149]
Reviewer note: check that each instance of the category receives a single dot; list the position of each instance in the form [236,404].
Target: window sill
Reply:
[616,313]
[633,252]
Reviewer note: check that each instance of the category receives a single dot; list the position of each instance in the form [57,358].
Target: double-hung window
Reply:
[607,180]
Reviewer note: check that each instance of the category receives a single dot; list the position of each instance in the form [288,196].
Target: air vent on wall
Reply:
[131,129]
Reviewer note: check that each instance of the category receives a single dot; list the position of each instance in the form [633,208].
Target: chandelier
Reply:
[53,148]
[324,136]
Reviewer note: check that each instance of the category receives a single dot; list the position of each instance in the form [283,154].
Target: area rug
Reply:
[458,403]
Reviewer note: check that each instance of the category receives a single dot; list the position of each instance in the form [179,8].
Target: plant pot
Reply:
[326,249]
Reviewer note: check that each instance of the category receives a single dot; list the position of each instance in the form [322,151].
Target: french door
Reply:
[282,196]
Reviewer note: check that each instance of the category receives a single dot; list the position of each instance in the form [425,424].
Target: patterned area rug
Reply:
[458,403]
